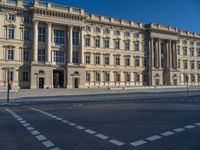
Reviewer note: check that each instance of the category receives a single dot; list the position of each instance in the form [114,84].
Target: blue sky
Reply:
[184,14]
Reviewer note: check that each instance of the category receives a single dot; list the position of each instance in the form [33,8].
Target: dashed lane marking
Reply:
[179,130]
[168,133]
[153,138]
[47,143]
[189,126]
[138,143]
[90,131]
[101,136]
[116,142]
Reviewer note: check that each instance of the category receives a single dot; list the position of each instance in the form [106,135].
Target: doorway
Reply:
[58,78]
[76,83]
[41,83]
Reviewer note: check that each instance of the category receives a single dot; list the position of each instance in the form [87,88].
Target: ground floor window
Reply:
[25,76]
[87,77]
[10,75]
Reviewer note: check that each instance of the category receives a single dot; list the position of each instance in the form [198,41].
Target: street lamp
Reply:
[155,80]
[8,83]
[187,78]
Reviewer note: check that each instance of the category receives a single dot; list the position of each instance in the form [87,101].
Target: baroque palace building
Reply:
[45,45]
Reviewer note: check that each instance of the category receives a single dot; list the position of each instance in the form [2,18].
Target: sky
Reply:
[183,14]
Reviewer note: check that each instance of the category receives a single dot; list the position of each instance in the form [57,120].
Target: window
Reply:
[10,75]
[127,61]
[179,63]
[107,31]
[117,61]
[185,51]
[11,17]
[11,32]
[88,28]
[117,77]
[106,77]
[87,41]
[10,54]
[26,35]
[185,64]
[25,76]
[75,58]
[97,77]
[137,77]
[59,57]
[117,32]
[136,46]
[192,78]
[42,34]
[97,59]
[97,29]
[137,62]
[59,37]
[87,59]
[127,34]
[127,77]
[136,35]
[75,38]
[87,77]
[127,46]
[97,42]
[106,43]
[41,55]
[198,53]
[191,52]
[192,64]
[26,55]
[117,45]
[27,19]
[106,60]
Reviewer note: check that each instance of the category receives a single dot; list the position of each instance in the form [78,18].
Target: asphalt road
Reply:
[162,124]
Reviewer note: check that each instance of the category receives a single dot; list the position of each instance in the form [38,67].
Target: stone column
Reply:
[70,43]
[152,53]
[159,50]
[156,53]
[35,41]
[167,53]
[176,56]
[49,42]
[82,46]
[170,54]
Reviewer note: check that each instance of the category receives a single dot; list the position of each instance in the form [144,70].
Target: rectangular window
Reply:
[192,64]
[185,52]
[25,76]
[41,34]
[87,59]
[127,61]
[106,60]
[117,32]
[107,31]
[97,59]
[117,45]
[11,17]
[75,38]
[58,57]
[98,30]
[137,62]
[127,77]
[41,55]
[87,41]
[97,42]
[87,77]
[137,77]
[10,75]
[106,43]
[185,64]
[11,33]
[136,46]
[10,54]
[127,34]
[106,77]
[127,46]
[117,77]
[191,53]
[26,35]
[117,61]
[26,55]
[98,79]
[27,19]
[59,37]
[75,58]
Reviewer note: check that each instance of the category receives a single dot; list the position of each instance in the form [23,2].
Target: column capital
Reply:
[49,23]
[36,22]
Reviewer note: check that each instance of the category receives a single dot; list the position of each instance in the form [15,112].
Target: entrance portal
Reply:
[76,82]
[41,83]
[58,78]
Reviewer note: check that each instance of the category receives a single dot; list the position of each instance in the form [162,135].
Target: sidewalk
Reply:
[98,94]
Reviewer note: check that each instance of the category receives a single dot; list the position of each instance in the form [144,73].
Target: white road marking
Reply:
[154,137]
[90,131]
[167,133]
[35,132]
[58,118]
[41,137]
[80,127]
[19,119]
[116,142]
[179,130]
[197,124]
[55,148]
[101,136]
[189,126]
[48,144]
[26,125]
[71,124]
[22,121]
[138,143]
[30,128]
[65,121]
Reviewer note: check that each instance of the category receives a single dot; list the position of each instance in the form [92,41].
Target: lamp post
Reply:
[155,81]
[187,88]
[8,84]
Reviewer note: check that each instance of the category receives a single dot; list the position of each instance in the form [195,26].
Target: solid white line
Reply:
[80,127]
[90,131]
[167,133]
[35,132]
[138,143]
[153,138]
[101,136]
[41,137]
[116,142]
[189,126]
[48,143]
[179,130]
